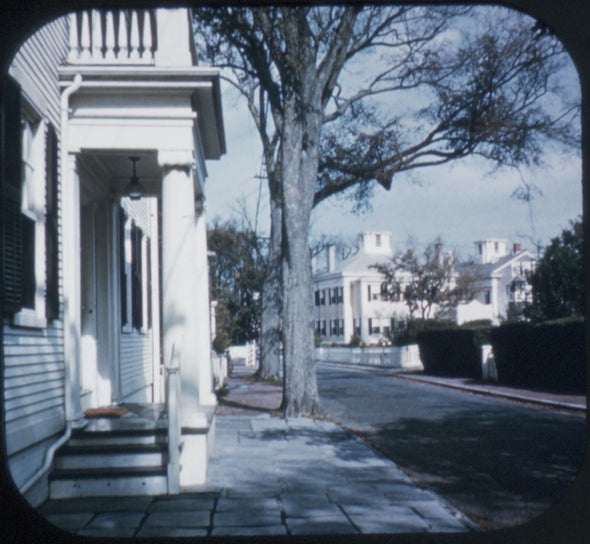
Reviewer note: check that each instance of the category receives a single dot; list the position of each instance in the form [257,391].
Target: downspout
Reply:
[48,461]
[65,97]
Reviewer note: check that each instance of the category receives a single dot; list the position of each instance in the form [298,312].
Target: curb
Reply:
[492,393]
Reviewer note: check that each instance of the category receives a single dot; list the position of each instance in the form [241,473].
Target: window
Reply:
[135,275]
[488,297]
[323,297]
[370,325]
[317,298]
[124,233]
[136,278]
[378,240]
[340,295]
[28,164]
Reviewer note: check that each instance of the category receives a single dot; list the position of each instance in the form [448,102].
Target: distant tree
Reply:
[237,270]
[558,280]
[429,283]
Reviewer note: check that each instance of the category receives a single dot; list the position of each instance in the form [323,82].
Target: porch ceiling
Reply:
[111,170]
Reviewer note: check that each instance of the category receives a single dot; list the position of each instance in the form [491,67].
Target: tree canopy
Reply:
[237,269]
[428,283]
[558,280]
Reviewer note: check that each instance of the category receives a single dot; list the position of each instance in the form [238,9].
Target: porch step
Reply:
[84,456]
[98,482]
[89,437]
[111,458]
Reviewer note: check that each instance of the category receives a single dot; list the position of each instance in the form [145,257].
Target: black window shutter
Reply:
[149,282]
[51,227]
[11,177]
[123,275]
[136,284]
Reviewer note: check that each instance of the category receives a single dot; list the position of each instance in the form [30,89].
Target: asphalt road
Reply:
[499,462]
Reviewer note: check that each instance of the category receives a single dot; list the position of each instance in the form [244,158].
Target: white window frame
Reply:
[34,208]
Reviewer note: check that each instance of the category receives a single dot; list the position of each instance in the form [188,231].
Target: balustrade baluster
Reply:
[109,36]
[134,36]
[122,41]
[147,36]
[74,45]
[85,37]
[96,34]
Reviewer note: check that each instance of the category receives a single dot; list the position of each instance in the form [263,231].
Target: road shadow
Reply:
[496,464]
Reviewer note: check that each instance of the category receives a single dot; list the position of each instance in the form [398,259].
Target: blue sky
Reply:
[462,202]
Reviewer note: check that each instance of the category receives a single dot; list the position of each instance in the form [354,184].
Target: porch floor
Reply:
[149,416]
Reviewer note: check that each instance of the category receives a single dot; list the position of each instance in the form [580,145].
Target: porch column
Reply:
[178,281]
[70,200]
[202,310]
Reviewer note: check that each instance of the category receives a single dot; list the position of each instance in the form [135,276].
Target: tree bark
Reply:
[271,367]
[299,171]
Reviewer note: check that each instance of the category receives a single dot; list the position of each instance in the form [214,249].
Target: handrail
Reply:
[172,409]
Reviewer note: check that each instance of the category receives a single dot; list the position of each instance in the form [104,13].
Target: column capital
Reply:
[179,159]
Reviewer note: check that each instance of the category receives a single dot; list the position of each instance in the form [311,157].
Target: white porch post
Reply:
[202,312]
[178,265]
[71,287]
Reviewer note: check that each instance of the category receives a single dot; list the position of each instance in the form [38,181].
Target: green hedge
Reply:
[451,352]
[545,355]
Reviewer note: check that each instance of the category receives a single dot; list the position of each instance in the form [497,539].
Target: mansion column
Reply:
[347,311]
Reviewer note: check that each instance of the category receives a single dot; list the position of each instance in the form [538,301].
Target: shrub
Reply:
[450,352]
[221,342]
[406,332]
[545,355]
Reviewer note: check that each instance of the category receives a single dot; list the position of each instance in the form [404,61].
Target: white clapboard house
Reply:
[107,119]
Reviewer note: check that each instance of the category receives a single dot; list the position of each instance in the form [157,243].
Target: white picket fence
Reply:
[404,357]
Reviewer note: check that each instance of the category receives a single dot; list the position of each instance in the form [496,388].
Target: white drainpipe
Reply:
[65,97]
[68,408]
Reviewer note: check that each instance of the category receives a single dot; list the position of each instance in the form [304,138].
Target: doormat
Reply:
[106,411]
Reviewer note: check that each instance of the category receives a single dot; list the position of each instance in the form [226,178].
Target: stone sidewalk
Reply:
[270,476]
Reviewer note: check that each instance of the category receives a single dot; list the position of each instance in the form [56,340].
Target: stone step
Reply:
[99,482]
[87,437]
[110,456]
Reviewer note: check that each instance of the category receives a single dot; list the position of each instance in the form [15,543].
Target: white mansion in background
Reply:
[348,300]
[88,271]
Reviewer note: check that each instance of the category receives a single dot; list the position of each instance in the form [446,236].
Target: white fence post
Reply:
[489,372]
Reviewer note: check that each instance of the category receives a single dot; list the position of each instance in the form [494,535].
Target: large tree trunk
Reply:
[271,367]
[299,168]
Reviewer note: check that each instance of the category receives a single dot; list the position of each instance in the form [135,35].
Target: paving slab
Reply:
[260,530]
[70,522]
[176,504]
[115,520]
[171,532]
[108,532]
[178,519]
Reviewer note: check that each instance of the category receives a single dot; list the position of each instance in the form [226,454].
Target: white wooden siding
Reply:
[33,385]
[136,362]
[34,358]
